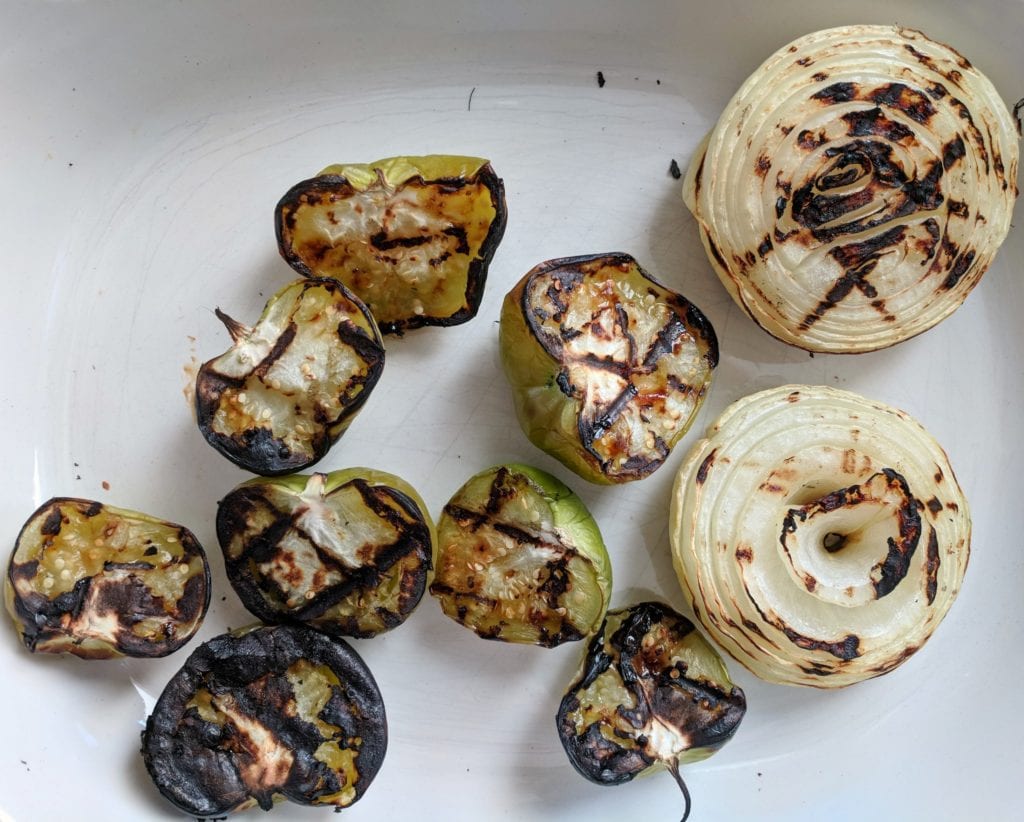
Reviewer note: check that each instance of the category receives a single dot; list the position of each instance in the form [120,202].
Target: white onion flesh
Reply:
[856,187]
[820,536]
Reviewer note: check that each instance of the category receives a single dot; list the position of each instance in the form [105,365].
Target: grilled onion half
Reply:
[856,187]
[820,536]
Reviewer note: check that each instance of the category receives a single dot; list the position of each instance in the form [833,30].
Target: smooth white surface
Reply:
[142,149]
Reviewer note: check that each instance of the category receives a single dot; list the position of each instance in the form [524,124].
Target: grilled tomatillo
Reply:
[411,236]
[348,553]
[287,389]
[608,367]
[521,559]
[652,692]
[266,714]
[98,582]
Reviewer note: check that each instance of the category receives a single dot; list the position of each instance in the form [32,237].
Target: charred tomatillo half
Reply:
[266,714]
[99,582]
[348,553]
[652,693]
[607,366]
[411,236]
[288,387]
[521,559]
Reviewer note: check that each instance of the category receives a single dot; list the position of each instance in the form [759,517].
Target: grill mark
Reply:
[381,241]
[873,122]
[438,587]
[958,208]
[854,255]
[896,564]
[280,346]
[931,567]
[895,661]
[459,233]
[715,253]
[979,141]
[960,268]
[364,578]
[809,141]
[859,260]
[927,246]
[912,103]
[664,342]
[814,669]
[595,429]
[499,491]
[51,525]
[953,151]
[893,569]
[137,565]
[622,322]
[466,516]
[845,649]
[520,535]
[413,537]
[817,211]
[699,176]
[837,93]
[705,466]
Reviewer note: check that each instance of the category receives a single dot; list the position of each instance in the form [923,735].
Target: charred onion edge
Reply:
[476,275]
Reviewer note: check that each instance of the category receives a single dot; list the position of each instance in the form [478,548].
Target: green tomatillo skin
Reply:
[607,366]
[520,559]
[349,553]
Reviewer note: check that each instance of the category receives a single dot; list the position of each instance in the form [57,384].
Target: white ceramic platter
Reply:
[143,147]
